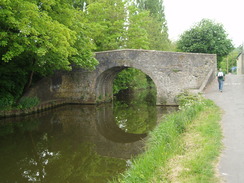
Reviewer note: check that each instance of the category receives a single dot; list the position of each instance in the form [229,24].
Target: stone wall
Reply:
[171,72]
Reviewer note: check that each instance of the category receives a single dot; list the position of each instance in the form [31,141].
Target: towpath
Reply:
[231,100]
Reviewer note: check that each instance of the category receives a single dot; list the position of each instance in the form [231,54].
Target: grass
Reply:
[183,148]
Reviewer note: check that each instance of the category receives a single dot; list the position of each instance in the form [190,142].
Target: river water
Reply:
[76,143]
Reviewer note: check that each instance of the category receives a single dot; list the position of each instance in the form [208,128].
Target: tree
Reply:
[127,24]
[156,27]
[40,36]
[49,30]
[206,37]
[106,19]
[136,35]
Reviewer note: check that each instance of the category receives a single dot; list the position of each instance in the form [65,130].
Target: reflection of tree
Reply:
[14,145]
[137,115]
[34,168]
[83,165]
[138,120]
[7,127]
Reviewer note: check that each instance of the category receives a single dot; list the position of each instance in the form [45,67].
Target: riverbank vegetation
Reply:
[184,147]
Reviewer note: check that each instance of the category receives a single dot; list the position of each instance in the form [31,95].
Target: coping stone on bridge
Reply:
[171,72]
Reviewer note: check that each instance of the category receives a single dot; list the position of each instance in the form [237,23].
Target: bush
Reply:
[6,102]
[187,99]
[28,102]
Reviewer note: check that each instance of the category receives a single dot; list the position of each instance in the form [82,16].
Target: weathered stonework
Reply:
[172,72]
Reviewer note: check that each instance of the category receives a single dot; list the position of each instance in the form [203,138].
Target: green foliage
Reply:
[13,77]
[206,37]
[154,24]
[28,102]
[105,19]
[137,36]
[126,24]
[187,99]
[230,60]
[131,79]
[48,30]
[6,101]
[156,9]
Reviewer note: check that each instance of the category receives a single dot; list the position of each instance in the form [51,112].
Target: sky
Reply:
[181,15]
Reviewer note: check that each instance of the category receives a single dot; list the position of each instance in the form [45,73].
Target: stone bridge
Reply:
[171,72]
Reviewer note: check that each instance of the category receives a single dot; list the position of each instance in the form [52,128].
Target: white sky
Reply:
[181,15]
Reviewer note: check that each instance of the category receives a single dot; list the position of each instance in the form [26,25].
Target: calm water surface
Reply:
[76,143]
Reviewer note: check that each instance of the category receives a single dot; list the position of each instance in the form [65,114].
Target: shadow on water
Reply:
[75,143]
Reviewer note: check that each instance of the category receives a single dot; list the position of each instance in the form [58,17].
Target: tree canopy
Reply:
[50,32]
[206,37]
[127,24]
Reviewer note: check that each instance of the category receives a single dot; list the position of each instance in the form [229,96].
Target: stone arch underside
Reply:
[104,83]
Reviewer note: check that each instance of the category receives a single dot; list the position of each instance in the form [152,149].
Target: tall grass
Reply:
[161,161]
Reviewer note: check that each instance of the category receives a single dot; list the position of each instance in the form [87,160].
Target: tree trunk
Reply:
[27,86]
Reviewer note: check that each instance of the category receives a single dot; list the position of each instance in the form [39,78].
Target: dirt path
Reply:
[231,165]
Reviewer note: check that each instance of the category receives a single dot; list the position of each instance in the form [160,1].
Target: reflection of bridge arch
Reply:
[171,73]
[108,128]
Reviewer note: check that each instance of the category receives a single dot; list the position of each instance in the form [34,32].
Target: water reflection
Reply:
[74,143]
[106,124]
[136,112]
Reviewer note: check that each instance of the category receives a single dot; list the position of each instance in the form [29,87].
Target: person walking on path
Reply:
[221,79]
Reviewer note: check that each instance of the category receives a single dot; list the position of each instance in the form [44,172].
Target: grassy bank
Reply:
[183,148]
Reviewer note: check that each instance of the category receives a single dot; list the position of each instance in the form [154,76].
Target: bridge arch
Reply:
[104,83]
